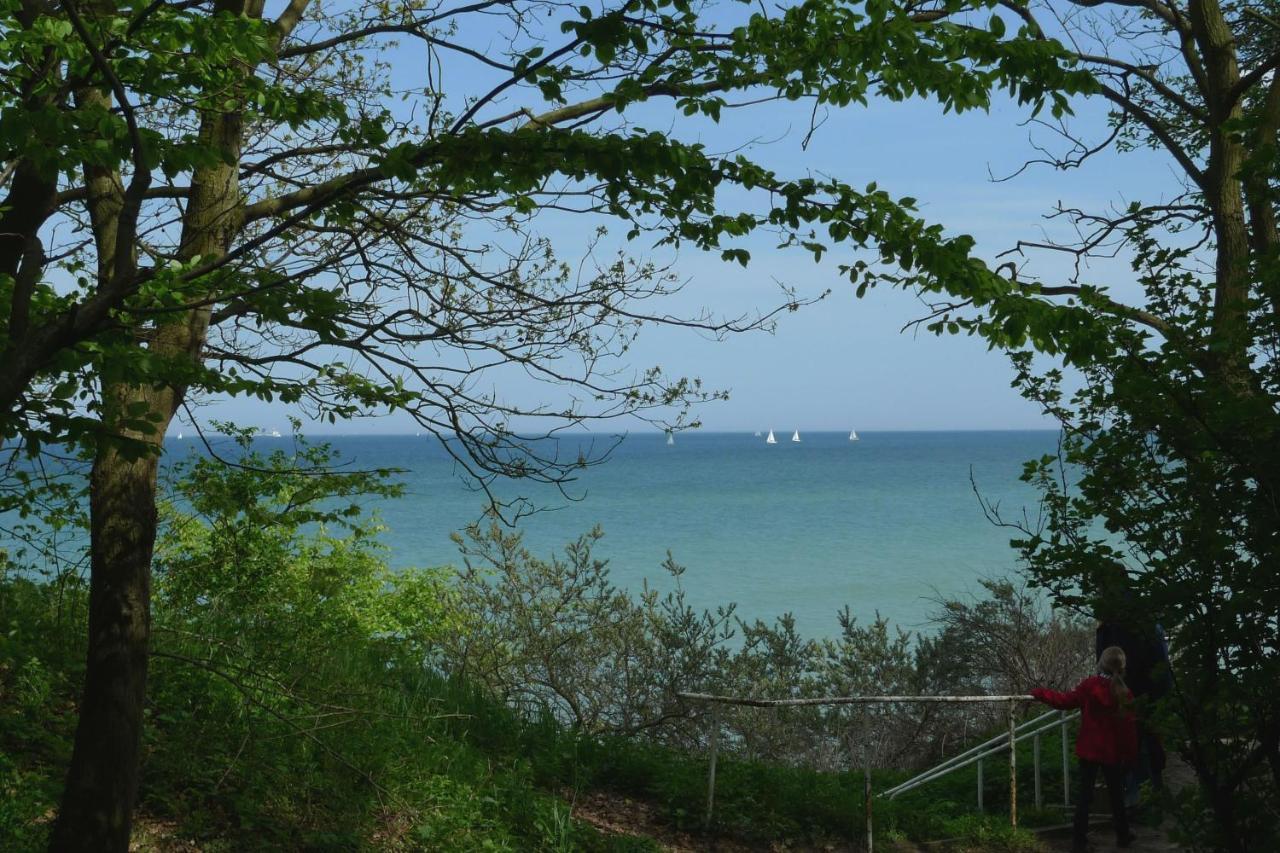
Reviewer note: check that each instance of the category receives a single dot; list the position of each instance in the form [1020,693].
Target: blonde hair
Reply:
[1112,663]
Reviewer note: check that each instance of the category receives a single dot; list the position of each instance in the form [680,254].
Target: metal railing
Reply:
[1030,729]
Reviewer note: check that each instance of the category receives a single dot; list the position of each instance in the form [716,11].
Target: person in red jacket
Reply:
[1108,740]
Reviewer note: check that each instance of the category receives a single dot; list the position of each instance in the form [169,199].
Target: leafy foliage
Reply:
[306,257]
[555,636]
[290,706]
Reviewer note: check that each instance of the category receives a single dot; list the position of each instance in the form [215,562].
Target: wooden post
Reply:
[1013,764]
[1066,766]
[711,771]
[1035,752]
[979,784]
[866,794]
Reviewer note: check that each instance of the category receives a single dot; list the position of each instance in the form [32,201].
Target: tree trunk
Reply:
[102,782]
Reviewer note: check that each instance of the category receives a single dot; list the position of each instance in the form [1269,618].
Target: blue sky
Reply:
[844,362]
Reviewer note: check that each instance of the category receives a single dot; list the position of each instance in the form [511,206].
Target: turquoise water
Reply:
[881,524]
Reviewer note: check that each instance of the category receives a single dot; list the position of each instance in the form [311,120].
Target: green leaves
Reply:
[180,64]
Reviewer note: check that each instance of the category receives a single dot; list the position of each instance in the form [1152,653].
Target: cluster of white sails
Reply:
[795,436]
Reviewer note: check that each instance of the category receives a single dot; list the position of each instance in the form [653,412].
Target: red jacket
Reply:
[1108,735]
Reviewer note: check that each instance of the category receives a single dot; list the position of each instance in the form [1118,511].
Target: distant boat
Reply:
[179,435]
[671,439]
[757,433]
[275,433]
[771,439]
[853,435]
[795,436]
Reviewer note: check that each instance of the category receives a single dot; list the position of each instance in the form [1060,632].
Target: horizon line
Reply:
[685,431]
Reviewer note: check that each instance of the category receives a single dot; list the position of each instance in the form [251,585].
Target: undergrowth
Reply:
[384,756]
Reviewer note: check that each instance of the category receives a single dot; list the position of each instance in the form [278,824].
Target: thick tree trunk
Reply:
[103,778]
[102,782]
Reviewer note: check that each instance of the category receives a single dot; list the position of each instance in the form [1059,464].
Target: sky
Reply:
[846,363]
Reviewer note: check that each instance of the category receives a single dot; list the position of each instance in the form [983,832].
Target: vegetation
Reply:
[557,636]
[303,696]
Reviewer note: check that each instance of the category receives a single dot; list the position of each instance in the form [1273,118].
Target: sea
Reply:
[884,525]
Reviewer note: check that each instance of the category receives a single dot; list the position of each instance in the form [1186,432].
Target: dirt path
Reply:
[618,815]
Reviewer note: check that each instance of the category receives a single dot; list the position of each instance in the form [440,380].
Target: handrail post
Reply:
[1035,753]
[866,794]
[979,784]
[1013,764]
[1066,766]
[711,770]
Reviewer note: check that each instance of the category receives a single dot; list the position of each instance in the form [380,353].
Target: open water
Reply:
[883,524]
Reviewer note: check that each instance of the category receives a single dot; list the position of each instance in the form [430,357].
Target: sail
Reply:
[671,439]
[771,439]
[758,433]
[795,436]
[853,435]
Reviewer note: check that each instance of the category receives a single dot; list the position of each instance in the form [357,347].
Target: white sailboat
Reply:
[179,435]
[671,439]
[795,436]
[853,435]
[771,439]
[758,433]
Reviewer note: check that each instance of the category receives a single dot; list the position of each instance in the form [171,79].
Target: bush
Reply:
[557,636]
[289,705]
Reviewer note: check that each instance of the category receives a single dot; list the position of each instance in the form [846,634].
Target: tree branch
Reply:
[127,228]
[1159,131]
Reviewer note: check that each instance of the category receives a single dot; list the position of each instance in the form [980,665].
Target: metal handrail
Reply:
[1011,739]
[999,743]
[984,745]
[846,700]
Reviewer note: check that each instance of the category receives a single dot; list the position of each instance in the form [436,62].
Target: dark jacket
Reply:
[1108,735]
[1146,668]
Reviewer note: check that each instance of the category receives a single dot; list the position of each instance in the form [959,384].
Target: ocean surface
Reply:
[884,524]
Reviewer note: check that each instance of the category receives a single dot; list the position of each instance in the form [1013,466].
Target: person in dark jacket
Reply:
[1107,744]
[1148,676]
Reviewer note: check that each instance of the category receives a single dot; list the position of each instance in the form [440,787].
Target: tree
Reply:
[1162,501]
[204,199]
